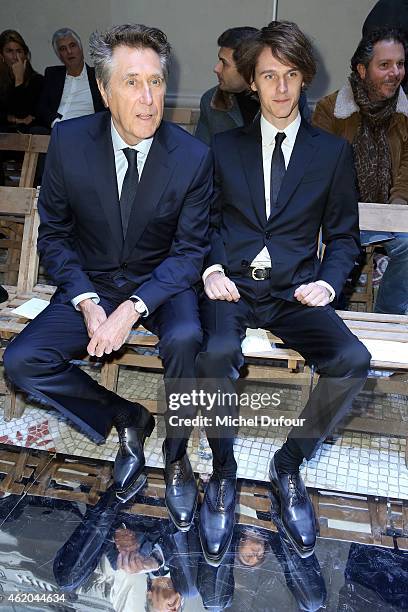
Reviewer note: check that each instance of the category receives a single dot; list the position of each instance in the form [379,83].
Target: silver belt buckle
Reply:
[254,270]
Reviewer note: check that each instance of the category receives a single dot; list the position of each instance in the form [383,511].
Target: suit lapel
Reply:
[302,154]
[156,174]
[101,161]
[251,156]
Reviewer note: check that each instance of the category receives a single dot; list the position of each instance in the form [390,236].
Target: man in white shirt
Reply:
[70,90]
[277,183]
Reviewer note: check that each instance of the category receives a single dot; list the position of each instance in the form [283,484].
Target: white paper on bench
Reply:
[30,309]
[256,343]
[387,350]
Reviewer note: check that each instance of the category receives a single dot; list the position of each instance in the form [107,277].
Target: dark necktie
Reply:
[277,167]
[129,188]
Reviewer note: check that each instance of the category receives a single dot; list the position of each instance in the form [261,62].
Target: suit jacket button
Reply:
[268,235]
[245,263]
[124,265]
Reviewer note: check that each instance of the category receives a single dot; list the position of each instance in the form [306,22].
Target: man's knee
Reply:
[220,358]
[22,361]
[353,359]
[184,339]
[15,360]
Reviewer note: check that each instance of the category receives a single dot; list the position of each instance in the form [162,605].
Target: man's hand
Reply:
[125,540]
[312,295]
[94,315]
[134,563]
[113,332]
[219,287]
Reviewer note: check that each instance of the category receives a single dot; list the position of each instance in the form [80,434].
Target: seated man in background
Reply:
[231,104]
[228,105]
[388,14]
[371,112]
[70,90]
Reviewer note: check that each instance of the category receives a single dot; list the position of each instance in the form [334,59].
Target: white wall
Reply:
[192,27]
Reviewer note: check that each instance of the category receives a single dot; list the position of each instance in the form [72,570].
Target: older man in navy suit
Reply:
[277,183]
[124,223]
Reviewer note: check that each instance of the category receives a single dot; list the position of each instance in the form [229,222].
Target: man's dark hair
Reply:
[101,47]
[233,37]
[288,44]
[365,50]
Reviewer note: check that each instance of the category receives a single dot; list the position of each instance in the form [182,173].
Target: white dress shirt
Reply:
[121,165]
[268,133]
[76,99]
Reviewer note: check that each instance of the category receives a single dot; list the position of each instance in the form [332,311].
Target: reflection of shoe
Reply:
[217,518]
[4,296]
[128,473]
[304,578]
[77,559]
[181,491]
[296,510]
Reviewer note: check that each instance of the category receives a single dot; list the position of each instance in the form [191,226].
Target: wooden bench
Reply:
[186,118]
[11,227]
[280,363]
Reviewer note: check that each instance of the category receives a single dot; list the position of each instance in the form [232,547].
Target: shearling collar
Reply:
[345,105]
[222,100]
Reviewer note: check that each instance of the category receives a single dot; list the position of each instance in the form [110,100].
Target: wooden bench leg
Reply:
[110,376]
[14,406]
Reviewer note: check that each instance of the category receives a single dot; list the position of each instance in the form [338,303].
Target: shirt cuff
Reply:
[214,268]
[85,296]
[56,120]
[146,313]
[329,288]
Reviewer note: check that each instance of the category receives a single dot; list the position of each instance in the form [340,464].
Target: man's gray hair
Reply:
[138,36]
[63,33]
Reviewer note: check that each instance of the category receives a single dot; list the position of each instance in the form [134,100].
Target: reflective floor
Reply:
[63,555]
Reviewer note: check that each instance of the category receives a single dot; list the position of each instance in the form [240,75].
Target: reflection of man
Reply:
[70,90]
[277,183]
[118,549]
[123,234]
[371,112]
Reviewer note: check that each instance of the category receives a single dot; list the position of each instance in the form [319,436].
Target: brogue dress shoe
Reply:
[181,491]
[295,508]
[128,475]
[217,518]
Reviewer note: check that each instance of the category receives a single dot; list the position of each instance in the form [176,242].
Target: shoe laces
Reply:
[295,495]
[222,491]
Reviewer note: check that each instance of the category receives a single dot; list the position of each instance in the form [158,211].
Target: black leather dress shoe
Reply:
[217,518]
[295,508]
[128,476]
[181,491]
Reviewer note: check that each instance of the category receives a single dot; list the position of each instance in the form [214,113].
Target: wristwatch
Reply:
[139,306]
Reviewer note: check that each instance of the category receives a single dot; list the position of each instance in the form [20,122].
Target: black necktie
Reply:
[129,188]
[277,167]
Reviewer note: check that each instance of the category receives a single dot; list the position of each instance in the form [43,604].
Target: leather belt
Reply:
[258,274]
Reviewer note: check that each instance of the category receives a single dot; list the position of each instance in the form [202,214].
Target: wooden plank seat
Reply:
[280,363]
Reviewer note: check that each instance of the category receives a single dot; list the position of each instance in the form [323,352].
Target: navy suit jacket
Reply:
[318,190]
[80,236]
[54,81]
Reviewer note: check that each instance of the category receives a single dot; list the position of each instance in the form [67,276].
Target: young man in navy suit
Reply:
[124,210]
[277,182]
